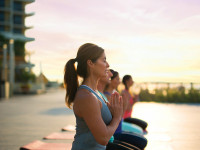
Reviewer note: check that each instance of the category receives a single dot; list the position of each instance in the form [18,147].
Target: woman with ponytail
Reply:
[96,121]
[128,82]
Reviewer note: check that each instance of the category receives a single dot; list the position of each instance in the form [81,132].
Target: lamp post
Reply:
[11,66]
[5,73]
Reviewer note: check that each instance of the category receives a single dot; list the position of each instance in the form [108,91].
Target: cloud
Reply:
[155,38]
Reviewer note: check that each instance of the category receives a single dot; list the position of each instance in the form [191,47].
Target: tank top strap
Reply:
[105,98]
[91,90]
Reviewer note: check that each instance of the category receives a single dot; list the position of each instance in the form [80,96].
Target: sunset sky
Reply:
[151,40]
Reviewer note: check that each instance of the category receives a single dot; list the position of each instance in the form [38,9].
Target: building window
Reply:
[18,31]
[2,16]
[17,19]
[18,6]
[2,3]
[1,28]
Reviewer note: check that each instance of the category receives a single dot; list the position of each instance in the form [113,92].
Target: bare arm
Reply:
[89,108]
[125,98]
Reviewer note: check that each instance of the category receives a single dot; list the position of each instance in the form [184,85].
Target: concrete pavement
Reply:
[27,118]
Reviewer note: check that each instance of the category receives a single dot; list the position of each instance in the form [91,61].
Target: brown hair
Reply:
[115,74]
[86,52]
[126,78]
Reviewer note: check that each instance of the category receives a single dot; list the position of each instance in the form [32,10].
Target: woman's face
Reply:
[109,75]
[129,82]
[115,82]
[101,66]
[106,79]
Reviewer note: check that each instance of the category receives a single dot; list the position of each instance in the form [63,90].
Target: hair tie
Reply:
[75,59]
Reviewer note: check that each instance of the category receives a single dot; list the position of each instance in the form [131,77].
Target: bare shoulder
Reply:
[85,100]
[123,92]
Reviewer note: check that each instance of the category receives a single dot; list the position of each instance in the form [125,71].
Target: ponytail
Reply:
[86,52]
[70,82]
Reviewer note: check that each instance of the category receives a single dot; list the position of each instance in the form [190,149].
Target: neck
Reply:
[101,86]
[127,88]
[92,82]
[110,89]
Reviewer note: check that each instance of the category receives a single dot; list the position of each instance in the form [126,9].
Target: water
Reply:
[171,126]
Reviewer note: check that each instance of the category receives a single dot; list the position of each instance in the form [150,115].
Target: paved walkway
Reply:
[27,118]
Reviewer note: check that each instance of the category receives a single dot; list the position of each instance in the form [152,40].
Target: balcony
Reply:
[16,36]
[22,13]
[21,26]
[5,23]
[5,9]
[25,1]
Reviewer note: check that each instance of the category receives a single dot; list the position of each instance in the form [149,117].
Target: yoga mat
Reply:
[128,127]
[39,145]
[60,136]
[69,128]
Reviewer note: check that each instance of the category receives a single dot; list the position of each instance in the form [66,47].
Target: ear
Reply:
[90,63]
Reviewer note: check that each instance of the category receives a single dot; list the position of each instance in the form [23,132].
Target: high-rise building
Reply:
[12,19]
[13,40]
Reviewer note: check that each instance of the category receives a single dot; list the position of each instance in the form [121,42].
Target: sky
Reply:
[154,41]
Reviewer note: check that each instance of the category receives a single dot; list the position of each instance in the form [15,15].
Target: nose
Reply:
[107,65]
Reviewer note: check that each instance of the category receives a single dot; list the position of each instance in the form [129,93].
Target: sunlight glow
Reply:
[151,40]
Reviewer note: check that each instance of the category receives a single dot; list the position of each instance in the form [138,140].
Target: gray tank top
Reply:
[83,139]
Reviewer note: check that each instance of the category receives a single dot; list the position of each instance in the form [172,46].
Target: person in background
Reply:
[112,144]
[95,121]
[128,82]
[120,136]
[111,87]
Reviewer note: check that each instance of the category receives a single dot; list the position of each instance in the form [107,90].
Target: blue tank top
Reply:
[119,128]
[83,139]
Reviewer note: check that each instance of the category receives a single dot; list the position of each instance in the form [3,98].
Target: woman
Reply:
[110,88]
[130,140]
[95,122]
[128,82]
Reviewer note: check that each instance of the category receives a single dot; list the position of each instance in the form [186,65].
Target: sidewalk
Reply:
[27,118]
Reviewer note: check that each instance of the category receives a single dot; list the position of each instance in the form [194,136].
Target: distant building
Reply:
[12,34]
[42,79]
[48,84]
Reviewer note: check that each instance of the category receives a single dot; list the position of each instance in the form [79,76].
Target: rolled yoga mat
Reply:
[128,127]
[143,124]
